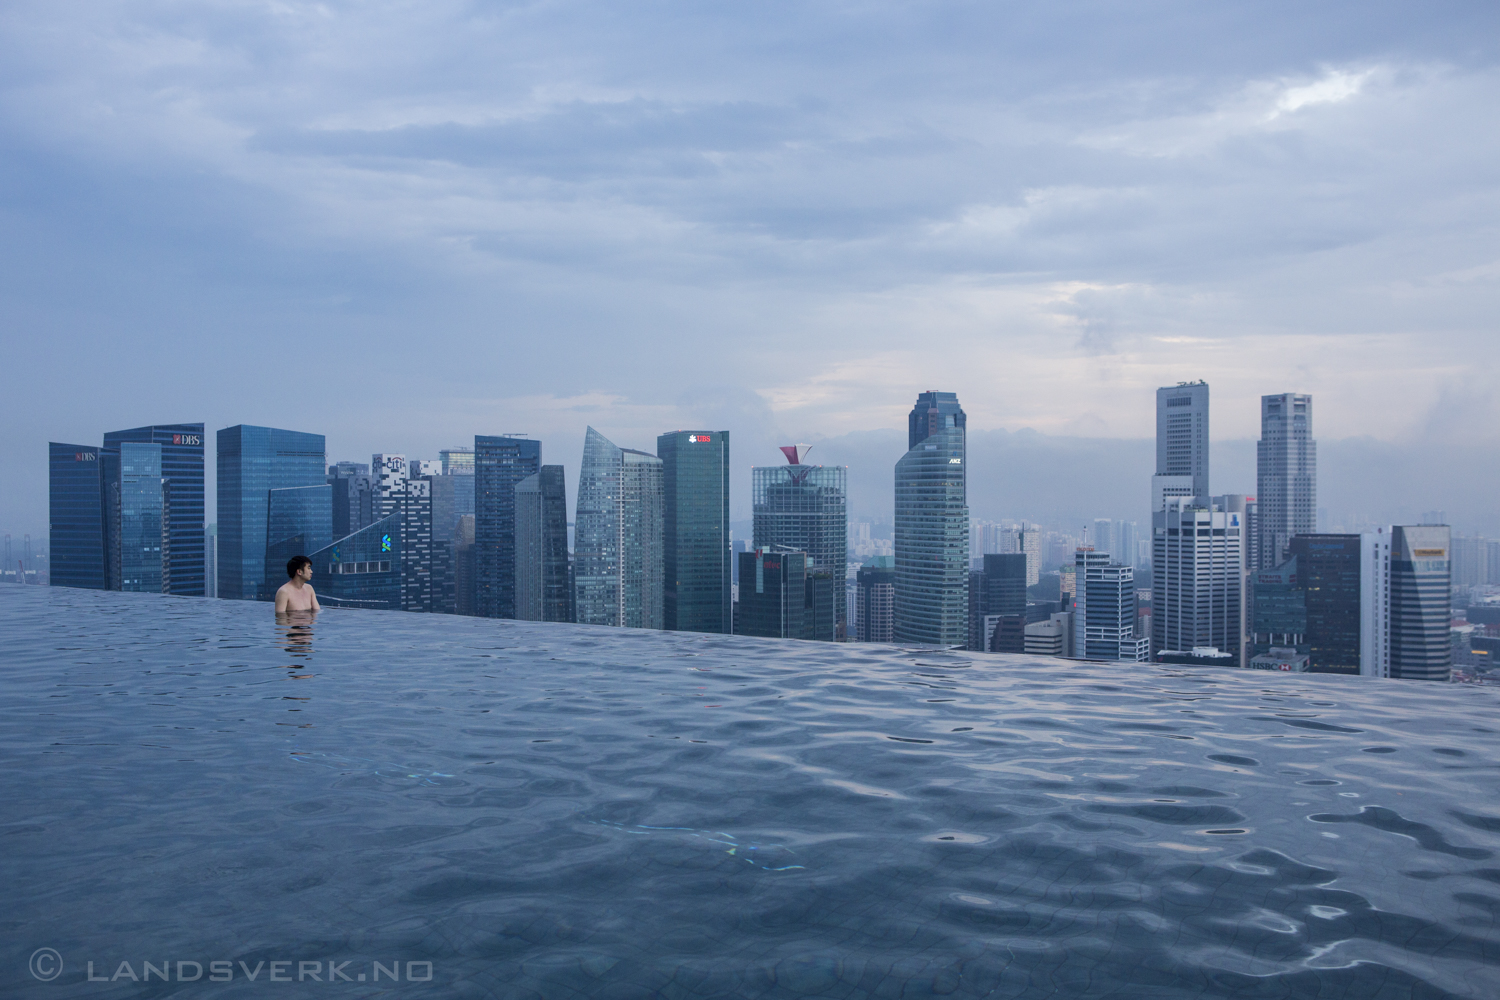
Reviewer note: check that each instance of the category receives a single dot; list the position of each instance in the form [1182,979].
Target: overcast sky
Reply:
[401,224]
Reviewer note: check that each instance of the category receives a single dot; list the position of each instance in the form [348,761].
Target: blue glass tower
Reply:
[76,513]
[362,570]
[299,522]
[695,470]
[181,483]
[253,461]
[932,526]
[137,545]
[500,462]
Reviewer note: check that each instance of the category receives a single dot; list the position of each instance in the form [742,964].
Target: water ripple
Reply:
[563,811]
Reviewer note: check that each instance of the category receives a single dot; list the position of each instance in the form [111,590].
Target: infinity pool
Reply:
[460,807]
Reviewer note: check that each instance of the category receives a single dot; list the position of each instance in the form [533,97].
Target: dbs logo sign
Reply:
[189,439]
[699,439]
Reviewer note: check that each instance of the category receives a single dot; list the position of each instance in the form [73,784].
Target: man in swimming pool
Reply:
[297,593]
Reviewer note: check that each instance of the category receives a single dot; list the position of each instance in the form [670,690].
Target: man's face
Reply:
[305,573]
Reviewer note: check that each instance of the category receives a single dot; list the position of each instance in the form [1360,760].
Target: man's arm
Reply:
[281,600]
[314,593]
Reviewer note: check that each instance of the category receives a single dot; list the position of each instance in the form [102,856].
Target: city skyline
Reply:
[1061,483]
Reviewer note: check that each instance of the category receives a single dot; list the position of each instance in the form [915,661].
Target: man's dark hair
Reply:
[296,563]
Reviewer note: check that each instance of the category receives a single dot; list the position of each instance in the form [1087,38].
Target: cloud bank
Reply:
[402,224]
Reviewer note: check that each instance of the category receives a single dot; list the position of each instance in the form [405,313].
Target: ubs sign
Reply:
[699,439]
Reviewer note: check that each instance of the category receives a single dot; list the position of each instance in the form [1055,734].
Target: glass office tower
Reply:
[805,507]
[134,529]
[617,536]
[773,594]
[363,570]
[500,462]
[252,462]
[1327,569]
[542,546]
[1420,588]
[182,500]
[75,506]
[875,601]
[932,527]
[1286,490]
[999,591]
[299,522]
[695,480]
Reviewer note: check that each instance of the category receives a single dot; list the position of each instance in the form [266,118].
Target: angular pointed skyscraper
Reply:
[617,538]
[932,525]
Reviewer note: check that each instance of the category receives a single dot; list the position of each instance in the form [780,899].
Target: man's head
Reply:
[299,566]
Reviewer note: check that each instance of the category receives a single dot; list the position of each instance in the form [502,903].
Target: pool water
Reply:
[466,807]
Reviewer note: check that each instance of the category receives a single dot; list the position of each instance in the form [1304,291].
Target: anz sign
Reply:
[955,461]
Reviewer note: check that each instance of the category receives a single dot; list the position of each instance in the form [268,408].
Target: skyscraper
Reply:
[364,569]
[353,495]
[299,522]
[805,507]
[388,476]
[542,546]
[1026,539]
[134,525]
[253,461]
[1286,476]
[76,516]
[457,461]
[1181,443]
[1328,572]
[875,601]
[618,528]
[1104,609]
[783,595]
[932,526]
[1197,577]
[500,462]
[998,592]
[1420,596]
[695,477]
[181,500]
[463,566]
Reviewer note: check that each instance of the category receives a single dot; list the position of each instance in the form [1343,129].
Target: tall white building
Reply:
[1375,604]
[1197,579]
[1025,538]
[389,474]
[1181,443]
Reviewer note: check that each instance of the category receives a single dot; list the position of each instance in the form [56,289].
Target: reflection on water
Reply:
[295,629]
[544,810]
